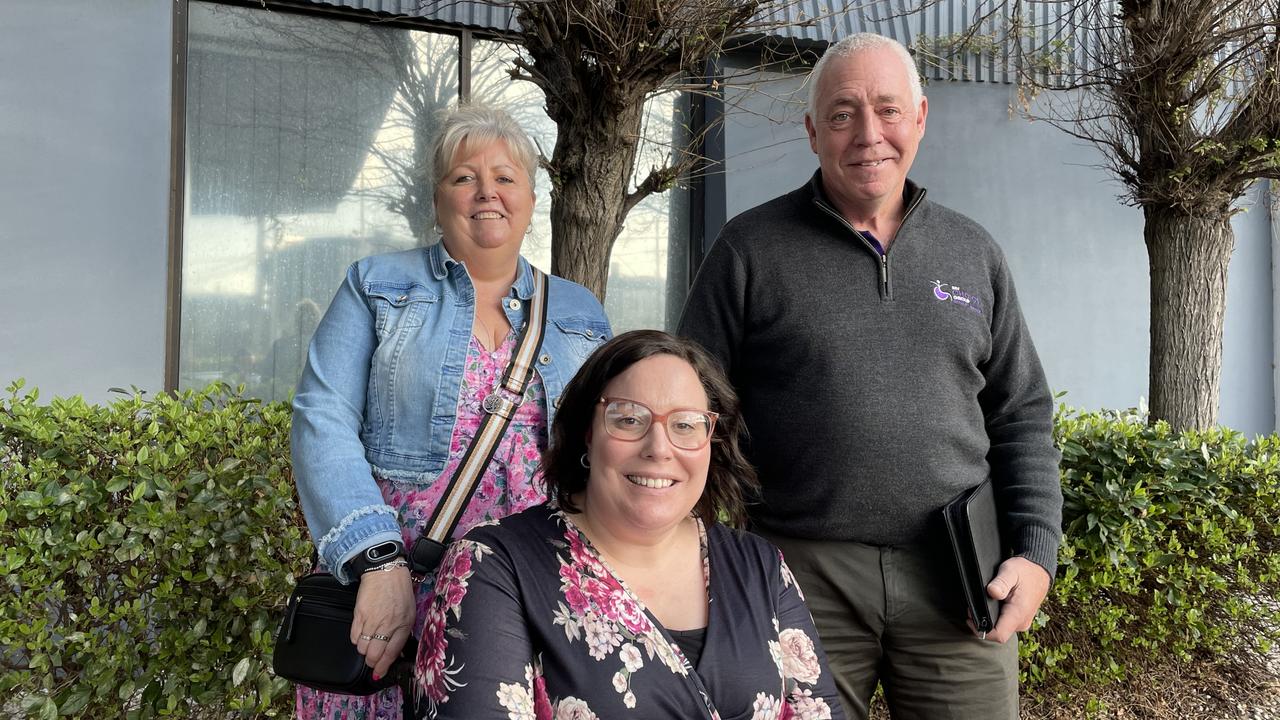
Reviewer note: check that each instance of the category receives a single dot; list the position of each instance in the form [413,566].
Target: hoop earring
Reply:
[584,461]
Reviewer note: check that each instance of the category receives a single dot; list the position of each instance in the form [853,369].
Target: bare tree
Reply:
[426,82]
[1183,99]
[597,62]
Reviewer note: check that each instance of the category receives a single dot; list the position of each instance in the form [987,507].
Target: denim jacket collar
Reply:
[440,262]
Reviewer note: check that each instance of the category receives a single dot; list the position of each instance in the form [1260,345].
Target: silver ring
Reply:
[366,637]
[383,638]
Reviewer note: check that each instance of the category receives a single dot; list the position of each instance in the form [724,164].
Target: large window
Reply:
[307,148]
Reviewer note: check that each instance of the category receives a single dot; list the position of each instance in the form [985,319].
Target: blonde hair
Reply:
[480,124]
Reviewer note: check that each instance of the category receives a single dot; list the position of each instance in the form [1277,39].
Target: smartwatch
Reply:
[372,557]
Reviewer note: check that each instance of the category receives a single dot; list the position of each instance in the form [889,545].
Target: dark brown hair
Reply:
[731,480]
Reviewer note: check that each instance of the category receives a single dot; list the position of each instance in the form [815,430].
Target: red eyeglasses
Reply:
[687,428]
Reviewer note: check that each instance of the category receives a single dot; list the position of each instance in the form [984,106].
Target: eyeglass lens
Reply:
[630,420]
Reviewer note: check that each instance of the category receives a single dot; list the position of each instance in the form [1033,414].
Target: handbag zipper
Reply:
[315,607]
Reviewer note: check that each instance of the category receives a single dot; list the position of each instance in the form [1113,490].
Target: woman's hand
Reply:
[385,608]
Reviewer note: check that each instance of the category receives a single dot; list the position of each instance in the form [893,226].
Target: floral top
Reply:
[529,623]
[511,481]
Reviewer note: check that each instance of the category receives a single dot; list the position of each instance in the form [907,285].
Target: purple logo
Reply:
[948,293]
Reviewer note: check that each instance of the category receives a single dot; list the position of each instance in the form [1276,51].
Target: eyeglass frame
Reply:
[656,418]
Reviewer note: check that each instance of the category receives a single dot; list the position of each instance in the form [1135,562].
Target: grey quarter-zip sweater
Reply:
[875,388]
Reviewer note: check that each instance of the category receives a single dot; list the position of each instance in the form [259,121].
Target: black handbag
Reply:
[313,645]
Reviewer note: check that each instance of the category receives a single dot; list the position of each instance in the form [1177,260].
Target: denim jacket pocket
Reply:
[398,306]
[580,336]
[590,331]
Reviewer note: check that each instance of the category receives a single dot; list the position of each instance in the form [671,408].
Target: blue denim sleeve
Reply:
[344,509]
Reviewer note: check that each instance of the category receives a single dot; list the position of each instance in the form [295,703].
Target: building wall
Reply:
[84,137]
[84,133]
[1076,252]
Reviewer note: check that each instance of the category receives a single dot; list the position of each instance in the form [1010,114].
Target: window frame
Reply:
[696,225]
[178,131]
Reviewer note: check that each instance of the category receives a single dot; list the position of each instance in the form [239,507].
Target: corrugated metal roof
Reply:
[933,32]
[489,16]
[929,33]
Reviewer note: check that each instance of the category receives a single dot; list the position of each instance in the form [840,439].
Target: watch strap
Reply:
[362,563]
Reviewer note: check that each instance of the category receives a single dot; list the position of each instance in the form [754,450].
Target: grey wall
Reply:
[1248,348]
[1274,192]
[84,182]
[1076,253]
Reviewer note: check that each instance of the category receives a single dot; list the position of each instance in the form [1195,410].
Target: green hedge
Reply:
[147,547]
[1171,552]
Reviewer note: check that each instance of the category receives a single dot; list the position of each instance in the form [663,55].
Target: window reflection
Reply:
[308,143]
[307,149]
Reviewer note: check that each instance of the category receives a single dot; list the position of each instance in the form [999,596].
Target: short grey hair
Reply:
[856,43]
[480,124]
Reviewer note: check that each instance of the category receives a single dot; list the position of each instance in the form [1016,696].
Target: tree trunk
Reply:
[1188,257]
[591,176]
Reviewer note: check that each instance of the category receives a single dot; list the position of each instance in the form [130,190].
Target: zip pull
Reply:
[884,276]
[289,616]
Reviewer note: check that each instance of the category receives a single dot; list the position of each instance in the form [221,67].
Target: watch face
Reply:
[383,551]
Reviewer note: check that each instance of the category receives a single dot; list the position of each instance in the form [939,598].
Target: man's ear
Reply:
[812,129]
[921,114]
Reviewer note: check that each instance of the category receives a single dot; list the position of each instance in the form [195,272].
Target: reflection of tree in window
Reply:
[309,147]
[421,69]
[307,142]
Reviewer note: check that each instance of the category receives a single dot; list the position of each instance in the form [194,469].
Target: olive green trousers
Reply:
[896,615]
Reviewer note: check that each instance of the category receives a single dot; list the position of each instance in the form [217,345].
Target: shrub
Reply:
[1171,552]
[147,550]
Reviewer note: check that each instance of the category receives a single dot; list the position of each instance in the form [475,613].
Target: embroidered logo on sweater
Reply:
[948,293]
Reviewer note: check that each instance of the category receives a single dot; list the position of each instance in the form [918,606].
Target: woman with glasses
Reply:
[627,595]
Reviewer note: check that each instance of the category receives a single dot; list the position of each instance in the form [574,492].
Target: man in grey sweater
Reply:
[884,367]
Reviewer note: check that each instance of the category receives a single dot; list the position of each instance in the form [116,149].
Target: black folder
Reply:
[974,530]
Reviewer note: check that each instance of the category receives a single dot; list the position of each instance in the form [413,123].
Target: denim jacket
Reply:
[380,388]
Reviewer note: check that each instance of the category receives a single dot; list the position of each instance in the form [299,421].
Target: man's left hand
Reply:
[1020,585]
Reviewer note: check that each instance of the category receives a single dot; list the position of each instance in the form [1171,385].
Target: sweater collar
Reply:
[814,191]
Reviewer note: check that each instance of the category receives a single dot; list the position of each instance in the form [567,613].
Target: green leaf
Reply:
[240,671]
[75,703]
[126,689]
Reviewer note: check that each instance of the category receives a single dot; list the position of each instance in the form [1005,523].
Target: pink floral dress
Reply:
[510,484]
[529,623]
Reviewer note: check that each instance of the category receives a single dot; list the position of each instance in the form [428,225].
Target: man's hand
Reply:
[385,608]
[1021,586]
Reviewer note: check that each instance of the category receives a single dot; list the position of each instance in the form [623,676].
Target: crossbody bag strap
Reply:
[499,407]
